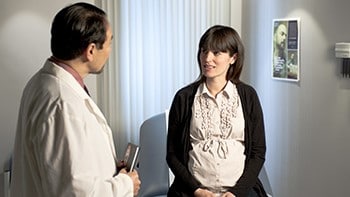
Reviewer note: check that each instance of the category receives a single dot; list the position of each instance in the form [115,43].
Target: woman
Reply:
[216,138]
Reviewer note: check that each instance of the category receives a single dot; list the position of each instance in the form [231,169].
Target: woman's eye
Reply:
[216,53]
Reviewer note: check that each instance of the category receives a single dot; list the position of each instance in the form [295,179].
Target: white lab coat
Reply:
[64,146]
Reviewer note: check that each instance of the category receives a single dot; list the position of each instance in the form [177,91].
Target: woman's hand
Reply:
[228,194]
[203,193]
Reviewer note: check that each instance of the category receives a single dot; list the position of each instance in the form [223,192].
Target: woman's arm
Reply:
[254,141]
[177,141]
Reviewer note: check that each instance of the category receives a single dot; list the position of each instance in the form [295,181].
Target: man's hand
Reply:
[135,179]
[120,165]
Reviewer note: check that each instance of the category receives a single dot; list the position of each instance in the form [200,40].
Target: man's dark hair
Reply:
[75,27]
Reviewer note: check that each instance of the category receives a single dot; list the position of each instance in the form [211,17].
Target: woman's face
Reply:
[214,65]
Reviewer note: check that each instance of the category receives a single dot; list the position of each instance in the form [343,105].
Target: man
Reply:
[279,53]
[64,146]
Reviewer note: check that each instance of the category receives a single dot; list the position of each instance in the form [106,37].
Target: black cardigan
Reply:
[178,142]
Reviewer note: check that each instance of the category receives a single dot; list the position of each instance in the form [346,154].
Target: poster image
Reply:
[285,52]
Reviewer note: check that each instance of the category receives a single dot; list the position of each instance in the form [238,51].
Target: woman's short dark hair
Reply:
[220,38]
[75,27]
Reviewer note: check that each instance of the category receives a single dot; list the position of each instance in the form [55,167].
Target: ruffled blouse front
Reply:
[217,136]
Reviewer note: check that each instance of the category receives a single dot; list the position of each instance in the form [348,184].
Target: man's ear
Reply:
[90,51]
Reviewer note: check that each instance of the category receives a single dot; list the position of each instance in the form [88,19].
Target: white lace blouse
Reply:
[217,136]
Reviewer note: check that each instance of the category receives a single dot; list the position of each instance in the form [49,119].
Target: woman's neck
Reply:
[215,86]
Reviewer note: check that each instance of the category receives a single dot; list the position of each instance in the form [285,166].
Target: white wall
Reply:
[307,123]
[25,45]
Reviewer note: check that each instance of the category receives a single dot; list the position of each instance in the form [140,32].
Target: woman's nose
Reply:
[209,56]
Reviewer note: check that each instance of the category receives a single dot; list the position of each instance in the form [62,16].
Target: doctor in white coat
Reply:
[64,146]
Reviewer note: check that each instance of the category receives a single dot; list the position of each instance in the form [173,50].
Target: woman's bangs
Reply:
[218,43]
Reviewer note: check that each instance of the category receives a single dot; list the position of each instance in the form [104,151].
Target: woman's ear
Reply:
[234,58]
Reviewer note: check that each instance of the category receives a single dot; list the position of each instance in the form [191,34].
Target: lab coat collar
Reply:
[62,74]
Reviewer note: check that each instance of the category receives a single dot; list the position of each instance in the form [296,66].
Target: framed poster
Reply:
[286,49]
